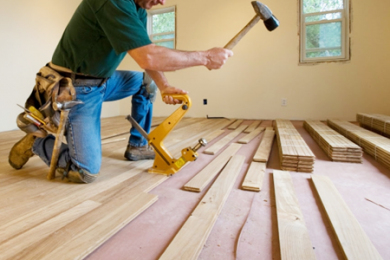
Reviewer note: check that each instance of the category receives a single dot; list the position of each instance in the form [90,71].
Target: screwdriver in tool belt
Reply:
[34,115]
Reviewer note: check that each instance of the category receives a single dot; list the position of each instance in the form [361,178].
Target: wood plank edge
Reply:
[248,188]
[188,188]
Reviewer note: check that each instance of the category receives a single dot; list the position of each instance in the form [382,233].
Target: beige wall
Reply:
[265,67]
[30,31]
[251,85]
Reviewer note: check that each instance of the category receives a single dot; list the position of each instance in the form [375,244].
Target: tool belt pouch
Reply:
[50,89]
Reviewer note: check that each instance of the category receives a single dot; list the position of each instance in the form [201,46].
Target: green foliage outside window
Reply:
[164,22]
[314,6]
[324,35]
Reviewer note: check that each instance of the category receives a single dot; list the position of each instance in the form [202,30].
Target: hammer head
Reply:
[270,21]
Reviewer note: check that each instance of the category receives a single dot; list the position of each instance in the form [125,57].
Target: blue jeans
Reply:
[84,149]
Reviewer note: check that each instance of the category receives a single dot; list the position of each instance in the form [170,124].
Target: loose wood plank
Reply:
[264,149]
[351,236]
[224,141]
[249,137]
[293,236]
[191,238]
[235,124]
[254,177]
[204,177]
[252,126]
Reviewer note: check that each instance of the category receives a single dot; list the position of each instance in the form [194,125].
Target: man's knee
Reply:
[150,86]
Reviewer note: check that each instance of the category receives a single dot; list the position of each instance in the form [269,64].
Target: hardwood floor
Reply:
[43,219]
[131,214]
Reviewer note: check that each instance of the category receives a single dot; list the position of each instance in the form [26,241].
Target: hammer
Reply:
[263,13]
[64,107]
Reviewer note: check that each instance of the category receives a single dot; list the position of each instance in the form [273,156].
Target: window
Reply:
[162,26]
[324,30]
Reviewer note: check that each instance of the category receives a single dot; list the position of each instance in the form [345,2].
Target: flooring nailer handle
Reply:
[184,98]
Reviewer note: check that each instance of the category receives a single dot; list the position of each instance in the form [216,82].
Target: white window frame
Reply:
[150,24]
[345,49]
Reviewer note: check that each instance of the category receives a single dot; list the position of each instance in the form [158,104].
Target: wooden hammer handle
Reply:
[57,144]
[242,33]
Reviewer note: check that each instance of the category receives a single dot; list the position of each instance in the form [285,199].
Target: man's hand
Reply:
[216,57]
[172,90]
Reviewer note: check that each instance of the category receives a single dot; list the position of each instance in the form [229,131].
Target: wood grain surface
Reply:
[191,238]
[351,236]
[294,238]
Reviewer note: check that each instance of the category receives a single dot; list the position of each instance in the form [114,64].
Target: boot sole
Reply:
[130,157]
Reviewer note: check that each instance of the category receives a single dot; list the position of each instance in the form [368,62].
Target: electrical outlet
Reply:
[284,102]
[205,101]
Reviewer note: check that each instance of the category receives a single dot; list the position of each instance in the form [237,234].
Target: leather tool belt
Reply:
[79,80]
[50,89]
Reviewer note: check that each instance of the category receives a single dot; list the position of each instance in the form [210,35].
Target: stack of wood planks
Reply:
[372,143]
[294,153]
[336,146]
[376,122]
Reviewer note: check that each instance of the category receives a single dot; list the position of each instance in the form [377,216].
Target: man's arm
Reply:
[157,58]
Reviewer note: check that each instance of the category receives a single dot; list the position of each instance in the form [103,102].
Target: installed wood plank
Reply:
[97,226]
[17,223]
[351,236]
[191,238]
[293,236]
[235,124]
[264,149]
[113,140]
[252,126]
[249,137]
[214,135]
[254,177]
[205,176]
[32,236]
[215,148]
[115,126]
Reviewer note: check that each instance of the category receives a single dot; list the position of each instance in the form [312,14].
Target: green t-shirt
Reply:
[99,35]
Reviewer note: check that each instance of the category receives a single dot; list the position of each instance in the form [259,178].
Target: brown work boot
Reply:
[80,176]
[21,152]
[139,153]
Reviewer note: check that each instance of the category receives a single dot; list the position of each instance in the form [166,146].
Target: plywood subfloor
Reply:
[246,228]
